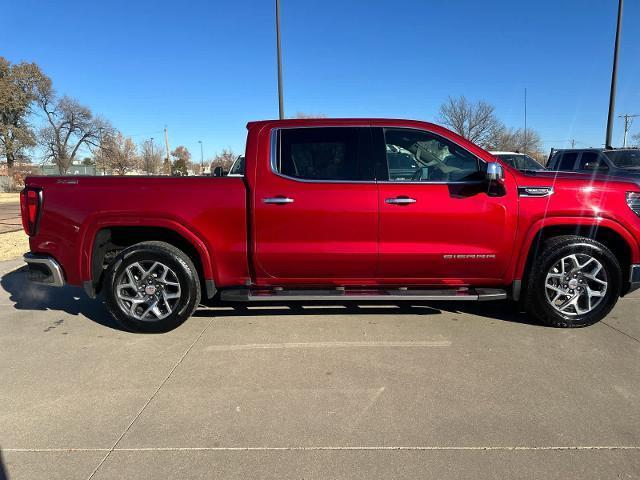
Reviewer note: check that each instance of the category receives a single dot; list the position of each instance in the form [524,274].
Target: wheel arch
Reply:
[104,241]
[611,234]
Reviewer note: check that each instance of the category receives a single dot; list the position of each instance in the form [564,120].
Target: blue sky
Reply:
[206,68]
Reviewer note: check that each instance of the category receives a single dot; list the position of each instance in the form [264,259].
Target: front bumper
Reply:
[44,270]
[634,278]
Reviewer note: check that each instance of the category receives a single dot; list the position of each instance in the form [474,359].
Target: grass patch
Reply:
[13,245]
[9,197]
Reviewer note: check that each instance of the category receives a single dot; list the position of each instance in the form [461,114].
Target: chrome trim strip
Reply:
[400,201]
[545,191]
[57,277]
[277,200]
[274,157]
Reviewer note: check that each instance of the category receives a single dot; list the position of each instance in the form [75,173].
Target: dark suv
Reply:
[623,162]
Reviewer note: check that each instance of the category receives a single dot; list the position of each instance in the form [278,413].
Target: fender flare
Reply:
[598,222]
[95,223]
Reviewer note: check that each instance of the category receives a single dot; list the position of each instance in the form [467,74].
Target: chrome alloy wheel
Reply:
[576,284]
[148,291]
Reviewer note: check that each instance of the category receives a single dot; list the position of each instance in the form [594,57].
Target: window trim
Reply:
[274,155]
[428,182]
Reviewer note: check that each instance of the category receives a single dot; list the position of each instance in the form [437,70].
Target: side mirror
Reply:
[495,172]
[218,172]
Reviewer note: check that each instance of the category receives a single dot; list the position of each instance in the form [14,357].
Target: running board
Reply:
[344,294]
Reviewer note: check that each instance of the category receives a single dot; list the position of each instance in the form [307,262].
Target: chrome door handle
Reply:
[278,200]
[400,201]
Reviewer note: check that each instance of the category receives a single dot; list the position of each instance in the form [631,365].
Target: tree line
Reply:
[33,115]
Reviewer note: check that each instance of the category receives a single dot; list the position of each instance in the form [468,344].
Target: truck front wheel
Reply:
[575,282]
[151,287]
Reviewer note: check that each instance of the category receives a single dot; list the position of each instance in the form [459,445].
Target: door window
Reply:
[416,155]
[591,161]
[567,161]
[324,153]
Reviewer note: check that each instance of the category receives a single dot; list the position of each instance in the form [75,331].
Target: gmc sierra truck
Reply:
[340,210]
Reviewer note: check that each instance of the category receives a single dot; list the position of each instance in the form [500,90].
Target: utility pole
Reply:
[614,75]
[525,121]
[573,143]
[166,143]
[201,158]
[279,52]
[628,120]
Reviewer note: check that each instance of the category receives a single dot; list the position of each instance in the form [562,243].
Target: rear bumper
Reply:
[634,278]
[44,270]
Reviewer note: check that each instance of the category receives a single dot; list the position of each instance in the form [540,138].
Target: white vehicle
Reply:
[520,161]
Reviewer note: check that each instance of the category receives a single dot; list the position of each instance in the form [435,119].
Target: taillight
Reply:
[30,203]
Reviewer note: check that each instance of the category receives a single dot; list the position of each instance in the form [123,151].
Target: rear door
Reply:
[316,207]
[439,224]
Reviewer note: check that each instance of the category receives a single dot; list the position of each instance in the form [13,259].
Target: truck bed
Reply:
[208,211]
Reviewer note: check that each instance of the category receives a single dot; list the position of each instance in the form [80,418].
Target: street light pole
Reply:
[614,75]
[201,158]
[279,52]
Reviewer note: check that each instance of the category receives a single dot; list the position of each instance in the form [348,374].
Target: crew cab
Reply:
[340,210]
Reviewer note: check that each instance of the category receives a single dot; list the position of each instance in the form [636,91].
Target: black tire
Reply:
[182,271]
[539,306]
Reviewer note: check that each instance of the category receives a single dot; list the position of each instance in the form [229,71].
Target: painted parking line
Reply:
[302,345]
[336,448]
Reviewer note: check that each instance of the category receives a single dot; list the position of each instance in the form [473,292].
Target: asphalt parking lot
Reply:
[440,391]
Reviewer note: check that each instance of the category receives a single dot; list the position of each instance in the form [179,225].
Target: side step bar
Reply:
[340,294]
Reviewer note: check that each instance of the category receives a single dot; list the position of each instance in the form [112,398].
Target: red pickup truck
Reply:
[340,209]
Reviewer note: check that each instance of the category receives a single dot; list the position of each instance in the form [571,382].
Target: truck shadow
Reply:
[502,311]
[73,301]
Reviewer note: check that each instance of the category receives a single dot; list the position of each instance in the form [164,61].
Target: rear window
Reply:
[331,153]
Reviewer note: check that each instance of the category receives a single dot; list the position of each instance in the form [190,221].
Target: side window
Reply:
[322,153]
[238,167]
[567,161]
[591,161]
[415,155]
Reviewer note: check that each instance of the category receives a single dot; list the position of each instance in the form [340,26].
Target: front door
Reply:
[438,223]
[316,208]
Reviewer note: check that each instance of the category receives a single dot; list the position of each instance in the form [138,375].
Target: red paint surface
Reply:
[334,233]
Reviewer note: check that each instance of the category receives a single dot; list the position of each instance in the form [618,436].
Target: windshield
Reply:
[520,161]
[625,158]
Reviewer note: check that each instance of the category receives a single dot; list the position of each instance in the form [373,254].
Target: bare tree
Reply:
[20,85]
[117,154]
[70,127]
[515,140]
[475,122]
[152,154]
[224,159]
[635,138]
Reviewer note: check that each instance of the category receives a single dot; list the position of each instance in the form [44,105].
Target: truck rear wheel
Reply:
[575,282]
[152,287]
